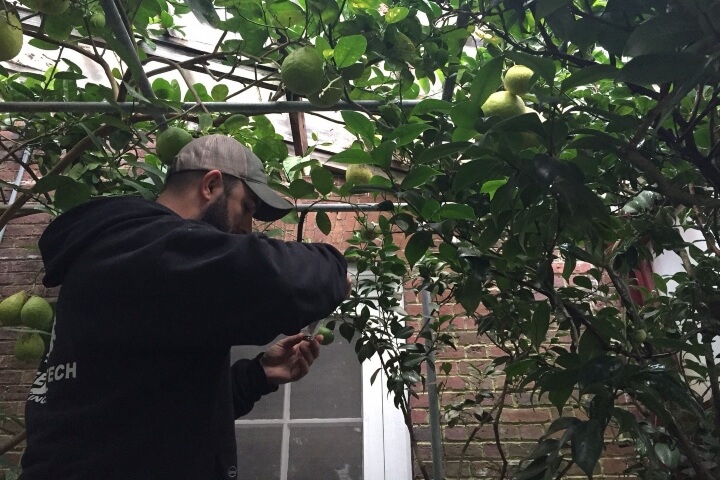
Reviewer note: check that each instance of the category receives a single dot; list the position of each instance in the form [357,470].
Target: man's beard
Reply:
[216,214]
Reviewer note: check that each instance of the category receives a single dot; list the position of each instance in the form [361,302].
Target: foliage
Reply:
[623,157]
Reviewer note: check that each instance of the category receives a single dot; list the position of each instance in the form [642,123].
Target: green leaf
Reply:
[492,186]
[353,155]
[487,80]
[442,151]
[418,176]
[430,105]
[416,246]
[396,14]
[286,14]
[544,8]
[587,445]
[382,154]
[219,92]
[323,222]
[358,124]
[322,179]
[539,324]
[349,50]
[405,134]
[300,188]
[669,456]
[663,33]
[464,114]
[456,211]
[588,75]
[661,67]
[71,193]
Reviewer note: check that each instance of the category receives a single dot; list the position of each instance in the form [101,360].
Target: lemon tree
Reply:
[604,157]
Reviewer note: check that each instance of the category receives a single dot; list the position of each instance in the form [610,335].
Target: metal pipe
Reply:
[18,179]
[248,108]
[433,404]
[117,25]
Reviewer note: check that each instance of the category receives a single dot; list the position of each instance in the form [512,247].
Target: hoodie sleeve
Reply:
[251,287]
[249,384]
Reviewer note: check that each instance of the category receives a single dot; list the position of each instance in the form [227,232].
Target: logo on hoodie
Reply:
[47,374]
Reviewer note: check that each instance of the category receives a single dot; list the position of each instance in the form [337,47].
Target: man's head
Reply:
[217,179]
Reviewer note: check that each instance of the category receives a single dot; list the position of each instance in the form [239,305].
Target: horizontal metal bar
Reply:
[256,108]
[348,207]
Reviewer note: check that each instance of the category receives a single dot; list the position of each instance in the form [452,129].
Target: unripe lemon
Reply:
[302,71]
[503,104]
[169,142]
[640,335]
[37,313]
[11,35]
[327,334]
[48,7]
[517,79]
[10,309]
[358,174]
[29,347]
[97,20]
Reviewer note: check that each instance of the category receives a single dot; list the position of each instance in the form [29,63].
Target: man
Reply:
[137,383]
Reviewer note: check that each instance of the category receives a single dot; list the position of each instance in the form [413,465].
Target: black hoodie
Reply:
[137,382]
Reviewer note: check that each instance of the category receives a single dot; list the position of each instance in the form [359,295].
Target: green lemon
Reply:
[97,20]
[10,309]
[327,334]
[48,7]
[302,71]
[37,313]
[503,104]
[517,79]
[11,35]
[169,142]
[358,174]
[29,347]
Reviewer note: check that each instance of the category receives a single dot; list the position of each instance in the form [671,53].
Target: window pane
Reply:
[326,452]
[333,388]
[259,452]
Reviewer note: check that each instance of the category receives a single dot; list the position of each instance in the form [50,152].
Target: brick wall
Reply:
[522,422]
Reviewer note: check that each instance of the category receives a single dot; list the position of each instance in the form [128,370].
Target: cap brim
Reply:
[273,206]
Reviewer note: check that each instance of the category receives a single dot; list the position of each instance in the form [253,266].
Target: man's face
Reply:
[232,212]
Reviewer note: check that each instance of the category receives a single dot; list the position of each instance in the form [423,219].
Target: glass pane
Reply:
[269,406]
[259,452]
[332,388]
[326,452]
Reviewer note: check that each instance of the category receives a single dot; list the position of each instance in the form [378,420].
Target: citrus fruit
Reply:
[169,142]
[640,335]
[327,334]
[37,313]
[302,71]
[358,174]
[517,79]
[11,35]
[330,92]
[97,20]
[48,7]
[10,309]
[29,347]
[503,104]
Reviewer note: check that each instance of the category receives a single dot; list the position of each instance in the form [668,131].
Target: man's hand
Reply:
[289,359]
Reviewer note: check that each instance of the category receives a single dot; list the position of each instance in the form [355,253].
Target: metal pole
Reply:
[433,404]
[248,108]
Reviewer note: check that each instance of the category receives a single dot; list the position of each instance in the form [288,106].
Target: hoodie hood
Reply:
[76,231]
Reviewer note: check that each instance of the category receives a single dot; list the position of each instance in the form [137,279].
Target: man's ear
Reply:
[211,186]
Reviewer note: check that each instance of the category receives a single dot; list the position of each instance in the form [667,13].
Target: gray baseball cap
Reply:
[220,152]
